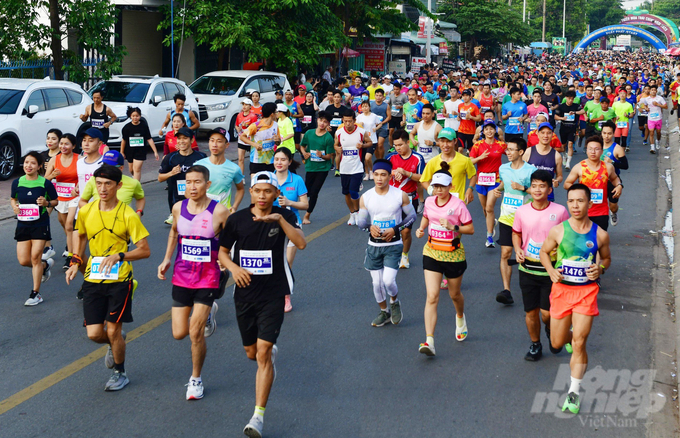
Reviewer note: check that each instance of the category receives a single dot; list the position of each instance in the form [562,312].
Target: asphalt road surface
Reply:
[337,375]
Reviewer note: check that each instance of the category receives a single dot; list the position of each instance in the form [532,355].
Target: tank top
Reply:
[67,180]
[485,103]
[309,118]
[596,181]
[543,162]
[186,115]
[385,211]
[381,112]
[576,253]
[428,152]
[609,153]
[85,171]
[97,120]
[197,245]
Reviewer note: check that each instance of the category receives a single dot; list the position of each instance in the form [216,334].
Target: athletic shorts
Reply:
[610,189]
[107,302]
[601,221]
[383,132]
[185,297]
[260,320]
[351,183]
[535,291]
[63,206]
[484,190]
[245,147]
[504,234]
[642,121]
[297,135]
[449,269]
[136,153]
[567,134]
[395,122]
[466,139]
[655,124]
[590,131]
[23,234]
[582,124]
[259,167]
[566,299]
[510,137]
[378,257]
[623,132]
[370,149]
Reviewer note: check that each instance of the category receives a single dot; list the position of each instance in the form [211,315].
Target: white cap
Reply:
[281,107]
[247,102]
[264,177]
[387,77]
[442,179]
[598,88]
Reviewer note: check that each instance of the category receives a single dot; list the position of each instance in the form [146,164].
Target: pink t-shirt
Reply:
[534,226]
[533,112]
[457,213]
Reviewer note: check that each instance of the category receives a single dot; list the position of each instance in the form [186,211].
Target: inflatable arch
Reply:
[641,17]
[619,29]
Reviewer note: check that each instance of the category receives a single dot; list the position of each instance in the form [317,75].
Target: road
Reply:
[337,375]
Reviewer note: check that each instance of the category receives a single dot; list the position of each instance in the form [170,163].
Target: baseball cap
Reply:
[545,125]
[265,177]
[467,91]
[223,132]
[304,87]
[94,133]
[279,92]
[447,133]
[281,107]
[489,123]
[113,158]
[185,131]
[247,101]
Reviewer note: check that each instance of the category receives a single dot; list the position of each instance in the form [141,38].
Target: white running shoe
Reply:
[421,207]
[370,175]
[194,390]
[404,263]
[169,219]
[652,149]
[365,177]
[275,351]
[211,324]
[48,252]
[352,219]
[254,427]
[47,272]
[33,300]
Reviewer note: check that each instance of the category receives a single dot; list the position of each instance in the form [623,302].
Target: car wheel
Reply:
[9,159]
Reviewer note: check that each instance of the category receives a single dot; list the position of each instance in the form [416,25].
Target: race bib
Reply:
[295,122]
[196,250]
[336,122]
[257,262]
[315,157]
[410,126]
[463,115]
[356,100]
[350,152]
[513,121]
[384,223]
[395,112]
[96,274]
[380,119]
[550,112]
[425,149]
[486,179]
[485,109]
[512,202]
[217,198]
[599,124]
[64,190]
[440,116]
[570,117]
[268,145]
[181,186]
[597,196]
[575,271]
[28,212]
[533,250]
[97,123]
[622,125]
[655,117]
[136,142]
[532,126]
[436,231]
[307,119]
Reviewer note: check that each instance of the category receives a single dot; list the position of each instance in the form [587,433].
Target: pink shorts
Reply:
[654,124]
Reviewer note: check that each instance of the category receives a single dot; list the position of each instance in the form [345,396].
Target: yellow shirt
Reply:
[371,91]
[460,167]
[131,188]
[108,233]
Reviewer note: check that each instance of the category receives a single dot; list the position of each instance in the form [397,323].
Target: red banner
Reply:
[374,55]
[421,27]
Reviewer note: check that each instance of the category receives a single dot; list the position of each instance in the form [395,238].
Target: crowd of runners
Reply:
[411,152]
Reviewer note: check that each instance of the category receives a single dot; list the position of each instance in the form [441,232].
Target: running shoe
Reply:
[254,427]
[211,324]
[370,175]
[535,352]
[404,263]
[34,299]
[194,390]
[382,319]
[426,349]
[135,283]
[553,350]
[504,297]
[361,187]
[613,219]
[48,253]
[495,225]
[337,173]
[365,177]
[275,351]
[461,332]
[47,272]
[572,402]
[568,347]
[79,295]
[352,219]
[627,149]
[445,284]
[65,253]
[117,381]
[652,150]
[645,143]
[397,316]
[489,242]
[288,307]
[108,358]
[421,208]
[67,263]
[169,219]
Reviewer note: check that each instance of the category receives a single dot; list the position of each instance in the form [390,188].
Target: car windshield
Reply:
[224,86]
[116,91]
[9,100]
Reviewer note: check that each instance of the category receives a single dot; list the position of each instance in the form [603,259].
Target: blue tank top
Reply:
[576,253]
[609,153]
[185,113]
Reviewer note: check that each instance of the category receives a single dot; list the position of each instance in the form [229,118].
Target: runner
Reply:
[656,105]
[407,168]
[373,87]
[382,109]
[243,120]
[101,116]
[170,141]
[174,166]
[624,111]
[643,113]
[309,109]
[573,298]
[135,134]
[318,149]
[616,155]
[91,160]
[549,137]
[349,139]
[296,116]
[530,228]
[487,155]
[223,172]
[286,127]
[426,132]
[257,236]
[368,122]
[468,113]
[488,115]
[108,225]
[596,174]
[535,109]
[544,156]
[413,111]
[591,108]
[189,116]
[384,212]
[439,109]
[397,101]
[337,112]
[262,137]
[447,218]
[31,195]
[567,114]
[196,274]
[515,112]
[130,188]
[451,110]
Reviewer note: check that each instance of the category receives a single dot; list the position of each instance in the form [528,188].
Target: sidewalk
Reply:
[149,174]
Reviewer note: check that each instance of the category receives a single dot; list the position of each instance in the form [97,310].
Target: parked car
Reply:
[152,94]
[220,94]
[31,107]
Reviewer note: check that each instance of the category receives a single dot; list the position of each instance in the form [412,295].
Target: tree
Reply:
[603,13]
[664,8]
[89,21]
[575,22]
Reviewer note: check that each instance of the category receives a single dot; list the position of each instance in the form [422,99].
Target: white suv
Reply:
[152,94]
[31,107]
[220,94]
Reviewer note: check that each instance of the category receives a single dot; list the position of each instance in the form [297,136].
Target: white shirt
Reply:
[654,111]
[368,124]
[351,159]
[452,107]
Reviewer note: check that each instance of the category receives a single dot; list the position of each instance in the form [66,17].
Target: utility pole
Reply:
[543,35]
[428,30]
[564,16]
[524,12]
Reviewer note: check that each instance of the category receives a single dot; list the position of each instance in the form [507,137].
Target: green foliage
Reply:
[664,8]
[575,28]
[603,13]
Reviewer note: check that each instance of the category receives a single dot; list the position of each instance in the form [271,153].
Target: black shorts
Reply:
[370,150]
[259,167]
[504,234]
[601,221]
[567,134]
[395,122]
[261,320]
[107,302]
[42,232]
[642,121]
[449,269]
[245,147]
[136,153]
[351,183]
[466,140]
[185,297]
[610,189]
[510,137]
[535,291]
[590,131]
[297,136]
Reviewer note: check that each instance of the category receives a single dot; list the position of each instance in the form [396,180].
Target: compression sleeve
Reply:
[622,164]
[411,216]
[363,219]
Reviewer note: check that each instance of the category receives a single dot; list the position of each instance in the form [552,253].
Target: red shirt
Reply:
[532,140]
[414,163]
[170,144]
[245,121]
[491,163]
[299,99]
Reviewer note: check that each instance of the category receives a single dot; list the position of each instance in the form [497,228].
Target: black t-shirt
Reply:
[549,101]
[27,192]
[139,134]
[336,113]
[565,109]
[175,159]
[260,246]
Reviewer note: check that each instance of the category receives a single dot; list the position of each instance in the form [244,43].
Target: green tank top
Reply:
[575,254]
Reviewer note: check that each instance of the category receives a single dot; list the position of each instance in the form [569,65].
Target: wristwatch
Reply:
[121,255]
